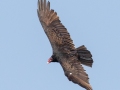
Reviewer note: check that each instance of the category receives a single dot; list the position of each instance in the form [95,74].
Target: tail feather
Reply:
[84,56]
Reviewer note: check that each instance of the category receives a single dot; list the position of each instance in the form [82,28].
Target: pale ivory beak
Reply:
[48,62]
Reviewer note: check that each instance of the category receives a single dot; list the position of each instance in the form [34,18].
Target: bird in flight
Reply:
[64,51]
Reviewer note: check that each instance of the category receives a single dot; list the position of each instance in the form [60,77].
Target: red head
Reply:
[52,59]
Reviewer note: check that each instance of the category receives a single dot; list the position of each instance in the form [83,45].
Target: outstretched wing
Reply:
[56,32]
[75,72]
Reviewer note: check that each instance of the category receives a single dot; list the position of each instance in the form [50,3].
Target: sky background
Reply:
[25,49]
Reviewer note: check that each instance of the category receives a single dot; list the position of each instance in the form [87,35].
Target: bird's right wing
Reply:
[75,72]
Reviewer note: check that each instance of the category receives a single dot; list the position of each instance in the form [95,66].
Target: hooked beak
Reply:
[49,60]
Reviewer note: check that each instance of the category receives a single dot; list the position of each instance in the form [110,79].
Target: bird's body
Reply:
[64,52]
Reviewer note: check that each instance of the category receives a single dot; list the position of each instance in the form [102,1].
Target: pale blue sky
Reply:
[25,49]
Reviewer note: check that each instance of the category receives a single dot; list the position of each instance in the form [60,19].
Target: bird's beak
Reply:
[49,60]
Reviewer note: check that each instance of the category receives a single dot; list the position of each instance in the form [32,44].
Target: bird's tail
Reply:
[84,56]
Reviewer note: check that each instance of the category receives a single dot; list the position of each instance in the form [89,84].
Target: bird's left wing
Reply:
[54,29]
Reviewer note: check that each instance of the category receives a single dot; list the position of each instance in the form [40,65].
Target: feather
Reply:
[84,56]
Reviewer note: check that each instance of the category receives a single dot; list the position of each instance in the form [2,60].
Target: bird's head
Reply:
[52,59]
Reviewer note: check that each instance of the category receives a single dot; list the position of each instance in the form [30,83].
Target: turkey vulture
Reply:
[64,51]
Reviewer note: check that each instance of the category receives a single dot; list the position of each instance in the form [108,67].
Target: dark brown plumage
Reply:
[64,52]
[84,56]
